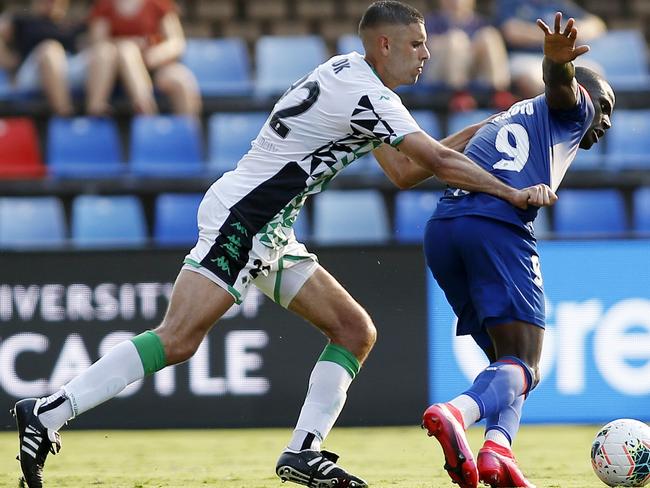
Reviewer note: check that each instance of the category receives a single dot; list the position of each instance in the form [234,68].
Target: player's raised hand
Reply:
[560,45]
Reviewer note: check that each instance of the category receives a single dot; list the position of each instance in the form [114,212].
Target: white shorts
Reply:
[227,255]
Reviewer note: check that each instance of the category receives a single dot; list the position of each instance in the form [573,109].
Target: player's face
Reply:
[603,99]
[408,52]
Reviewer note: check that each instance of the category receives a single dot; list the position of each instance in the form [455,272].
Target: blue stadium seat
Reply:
[350,217]
[108,221]
[459,120]
[175,218]
[623,54]
[641,219]
[166,146]
[348,43]
[412,211]
[221,66]
[83,147]
[628,145]
[428,122]
[6,87]
[32,222]
[282,60]
[230,136]
[301,227]
[589,212]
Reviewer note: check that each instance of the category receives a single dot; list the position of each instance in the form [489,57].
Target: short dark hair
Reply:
[588,78]
[389,12]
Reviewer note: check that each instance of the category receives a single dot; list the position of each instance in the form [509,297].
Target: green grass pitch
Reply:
[391,457]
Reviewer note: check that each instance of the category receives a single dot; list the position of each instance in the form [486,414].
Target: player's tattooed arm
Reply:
[560,51]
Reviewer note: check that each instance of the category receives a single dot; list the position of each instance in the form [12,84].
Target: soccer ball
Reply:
[620,453]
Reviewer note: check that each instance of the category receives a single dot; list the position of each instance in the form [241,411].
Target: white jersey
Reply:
[332,116]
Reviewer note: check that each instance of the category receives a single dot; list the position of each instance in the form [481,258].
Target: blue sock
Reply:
[498,385]
[507,420]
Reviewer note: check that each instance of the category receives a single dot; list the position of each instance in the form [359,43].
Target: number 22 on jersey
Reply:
[313,91]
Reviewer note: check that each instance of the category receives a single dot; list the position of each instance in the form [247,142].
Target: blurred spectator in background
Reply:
[40,47]
[148,41]
[465,48]
[517,20]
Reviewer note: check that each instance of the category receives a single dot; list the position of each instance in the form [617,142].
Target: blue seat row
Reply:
[172,146]
[339,217]
[97,221]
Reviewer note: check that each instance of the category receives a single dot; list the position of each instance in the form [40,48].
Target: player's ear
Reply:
[384,44]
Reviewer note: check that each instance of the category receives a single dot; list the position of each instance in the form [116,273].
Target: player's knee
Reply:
[179,346]
[359,334]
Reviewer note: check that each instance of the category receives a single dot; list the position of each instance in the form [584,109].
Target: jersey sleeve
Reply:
[382,116]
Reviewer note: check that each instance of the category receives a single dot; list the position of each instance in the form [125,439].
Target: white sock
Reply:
[495,435]
[328,386]
[104,379]
[54,417]
[468,408]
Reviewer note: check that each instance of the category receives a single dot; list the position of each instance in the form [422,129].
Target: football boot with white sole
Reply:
[36,441]
[315,469]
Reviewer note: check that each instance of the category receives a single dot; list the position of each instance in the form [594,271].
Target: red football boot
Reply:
[498,468]
[445,423]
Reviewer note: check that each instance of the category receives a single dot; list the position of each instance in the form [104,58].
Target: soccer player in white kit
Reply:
[342,110]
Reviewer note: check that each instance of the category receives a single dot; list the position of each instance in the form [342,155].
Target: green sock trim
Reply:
[151,351]
[342,357]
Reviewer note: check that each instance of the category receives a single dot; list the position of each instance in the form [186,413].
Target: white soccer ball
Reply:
[620,453]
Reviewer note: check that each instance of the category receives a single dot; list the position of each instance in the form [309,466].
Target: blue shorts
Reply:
[489,271]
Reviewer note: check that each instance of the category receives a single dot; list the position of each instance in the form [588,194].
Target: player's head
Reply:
[394,38]
[602,96]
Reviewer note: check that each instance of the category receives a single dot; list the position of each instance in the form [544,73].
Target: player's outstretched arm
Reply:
[401,170]
[559,73]
[406,173]
[458,170]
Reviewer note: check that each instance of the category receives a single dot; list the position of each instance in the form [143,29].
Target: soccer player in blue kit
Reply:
[482,252]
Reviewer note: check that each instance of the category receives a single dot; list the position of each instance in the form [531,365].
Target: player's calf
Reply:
[445,423]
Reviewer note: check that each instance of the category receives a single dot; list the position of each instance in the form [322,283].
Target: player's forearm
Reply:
[403,172]
[557,74]
[559,80]
[458,171]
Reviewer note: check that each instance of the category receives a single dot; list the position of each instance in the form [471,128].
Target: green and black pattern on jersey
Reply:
[369,130]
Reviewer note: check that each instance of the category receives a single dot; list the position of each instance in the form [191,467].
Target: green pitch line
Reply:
[390,457]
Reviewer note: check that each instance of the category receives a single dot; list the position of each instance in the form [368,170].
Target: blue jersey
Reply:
[527,145]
